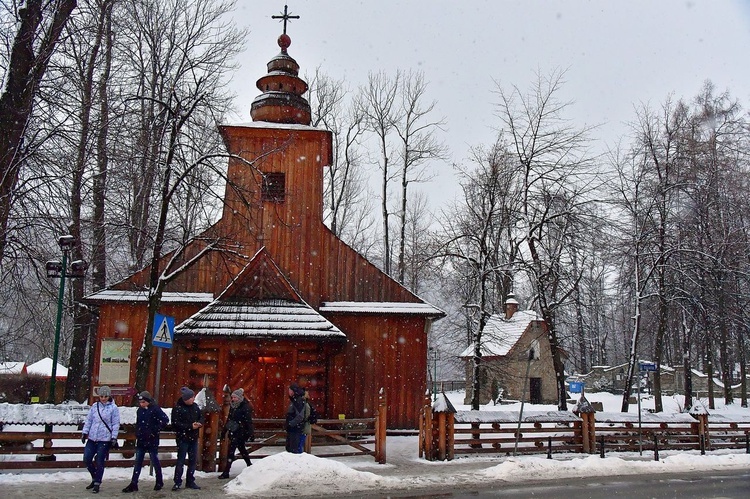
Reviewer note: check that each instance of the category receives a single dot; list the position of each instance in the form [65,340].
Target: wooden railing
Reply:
[62,448]
[59,446]
[445,433]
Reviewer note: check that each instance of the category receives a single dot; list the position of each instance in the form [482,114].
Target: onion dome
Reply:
[281,100]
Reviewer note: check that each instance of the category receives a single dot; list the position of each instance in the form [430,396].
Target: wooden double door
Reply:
[265,379]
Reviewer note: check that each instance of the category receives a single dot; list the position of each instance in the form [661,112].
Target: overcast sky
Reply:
[617,54]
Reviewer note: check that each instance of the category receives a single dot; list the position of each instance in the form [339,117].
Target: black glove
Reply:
[115,445]
[83,438]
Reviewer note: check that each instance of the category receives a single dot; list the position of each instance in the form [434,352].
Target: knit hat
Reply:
[144,395]
[239,393]
[104,391]
[186,393]
[296,389]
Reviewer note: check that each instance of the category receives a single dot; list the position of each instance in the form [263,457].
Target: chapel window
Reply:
[273,188]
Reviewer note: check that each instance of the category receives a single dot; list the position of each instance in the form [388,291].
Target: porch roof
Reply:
[273,318]
[368,307]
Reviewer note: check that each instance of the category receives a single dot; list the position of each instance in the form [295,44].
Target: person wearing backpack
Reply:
[150,420]
[311,417]
[295,420]
[99,434]
[239,425]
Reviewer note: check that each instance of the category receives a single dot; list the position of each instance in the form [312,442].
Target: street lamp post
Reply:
[60,270]
[433,356]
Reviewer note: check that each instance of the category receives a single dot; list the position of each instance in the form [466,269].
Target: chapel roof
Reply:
[501,334]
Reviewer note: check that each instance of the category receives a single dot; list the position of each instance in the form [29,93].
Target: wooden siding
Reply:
[382,352]
[387,351]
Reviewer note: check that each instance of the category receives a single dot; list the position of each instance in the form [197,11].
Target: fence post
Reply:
[452,436]
[47,445]
[656,447]
[701,414]
[441,436]
[223,442]
[549,447]
[586,412]
[601,447]
[422,416]
[208,438]
[428,453]
[381,424]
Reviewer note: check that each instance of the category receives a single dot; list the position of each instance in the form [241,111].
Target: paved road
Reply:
[700,485]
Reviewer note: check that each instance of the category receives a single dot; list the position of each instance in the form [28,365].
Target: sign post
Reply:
[643,369]
[163,337]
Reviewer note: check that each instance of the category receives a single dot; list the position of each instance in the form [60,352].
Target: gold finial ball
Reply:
[284,41]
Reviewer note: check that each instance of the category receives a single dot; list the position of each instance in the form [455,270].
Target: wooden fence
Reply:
[58,444]
[445,433]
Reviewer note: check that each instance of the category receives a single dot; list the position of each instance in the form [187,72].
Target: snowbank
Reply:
[287,474]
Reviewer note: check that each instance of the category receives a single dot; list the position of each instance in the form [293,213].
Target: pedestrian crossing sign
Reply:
[163,331]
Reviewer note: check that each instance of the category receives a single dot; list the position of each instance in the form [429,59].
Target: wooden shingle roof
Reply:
[259,303]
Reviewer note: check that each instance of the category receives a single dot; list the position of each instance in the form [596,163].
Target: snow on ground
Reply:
[287,475]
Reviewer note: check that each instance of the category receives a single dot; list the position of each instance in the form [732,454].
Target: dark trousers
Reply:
[153,453]
[189,448]
[98,451]
[295,442]
[234,445]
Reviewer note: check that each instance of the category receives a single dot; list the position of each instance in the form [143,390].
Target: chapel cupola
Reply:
[281,100]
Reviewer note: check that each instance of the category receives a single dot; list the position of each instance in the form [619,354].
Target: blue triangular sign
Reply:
[163,334]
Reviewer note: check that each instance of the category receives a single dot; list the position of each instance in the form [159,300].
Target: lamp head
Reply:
[66,242]
[78,268]
[54,269]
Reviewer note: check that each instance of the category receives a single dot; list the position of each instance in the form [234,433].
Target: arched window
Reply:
[534,350]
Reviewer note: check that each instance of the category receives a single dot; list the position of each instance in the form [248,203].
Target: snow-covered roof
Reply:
[371,307]
[269,124]
[500,334]
[259,319]
[142,296]
[44,368]
[12,367]
[646,417]
[512,417]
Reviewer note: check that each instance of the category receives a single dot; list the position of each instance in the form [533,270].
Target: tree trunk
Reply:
[24,72]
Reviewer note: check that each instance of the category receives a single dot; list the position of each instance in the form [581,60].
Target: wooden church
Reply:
[274,296]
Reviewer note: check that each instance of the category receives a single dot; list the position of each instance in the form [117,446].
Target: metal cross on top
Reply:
[286,17]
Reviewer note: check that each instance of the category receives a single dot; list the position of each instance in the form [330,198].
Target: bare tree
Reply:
[480,244]
[418,144]
[38,29]
[556,181]
[379,98]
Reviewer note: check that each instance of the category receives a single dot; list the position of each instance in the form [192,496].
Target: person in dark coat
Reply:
[187,419]
[150,420]
[239,425]
[295,420]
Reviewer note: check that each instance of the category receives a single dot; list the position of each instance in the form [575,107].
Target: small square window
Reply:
[273,187]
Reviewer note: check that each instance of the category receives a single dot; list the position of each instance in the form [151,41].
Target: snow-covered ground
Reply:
[285,475]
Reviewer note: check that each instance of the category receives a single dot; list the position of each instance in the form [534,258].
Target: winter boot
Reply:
[247,461]
[95,489]
[132,487]
[158,485]
[90,486]
[223,476]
